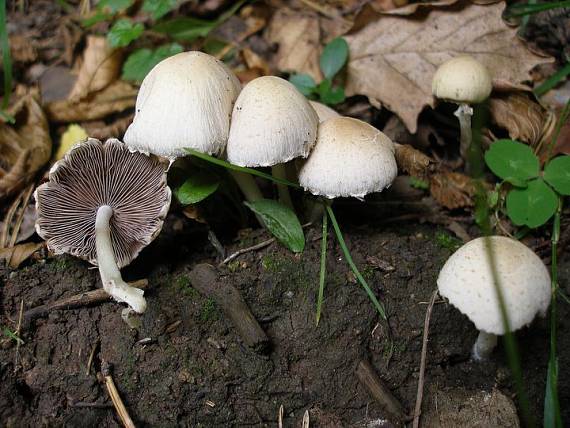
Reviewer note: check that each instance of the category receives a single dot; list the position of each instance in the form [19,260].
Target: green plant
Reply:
[11,335]
[6,63]
[332,60]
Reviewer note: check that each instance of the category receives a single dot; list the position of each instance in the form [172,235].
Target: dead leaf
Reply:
[412,161]
[392,60]
[255,62]
[101,66]
[523,118]
[298,37]
[73,134]
[452,190]
[22,50]
[113,99]
[24,147]
[102,131]
[409,9]
[193,213]
[14,256]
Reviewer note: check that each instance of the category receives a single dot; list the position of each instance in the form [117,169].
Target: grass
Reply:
[6,63]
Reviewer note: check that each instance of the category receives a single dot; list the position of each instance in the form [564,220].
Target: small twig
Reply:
[77,301]
[421,380]
[306,419]
[106,377]
[8,220]
[16,230]
[280,416]
[18,328]
[91,356]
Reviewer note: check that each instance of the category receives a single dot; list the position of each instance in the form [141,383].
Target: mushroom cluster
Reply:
[467,280]
[104,204]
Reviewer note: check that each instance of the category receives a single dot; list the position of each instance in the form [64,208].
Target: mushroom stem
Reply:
[249,188]
[464,113]
[484,346]
[279,171]
[110,275]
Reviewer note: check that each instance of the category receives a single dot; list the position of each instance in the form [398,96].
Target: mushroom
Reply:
[184,102]
[104,204]
[467,281]
[272,123]
[462,80]
[351,158]
[324,112]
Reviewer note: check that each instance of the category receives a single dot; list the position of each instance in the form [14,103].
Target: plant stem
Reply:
[110,275]
[464,113]
[323,270]
[249,188]
[279,171]
[6,60]
[552,417]
[484,346]
[352,265]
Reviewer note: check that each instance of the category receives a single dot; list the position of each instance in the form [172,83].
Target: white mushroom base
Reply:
[484,346]
[110,274]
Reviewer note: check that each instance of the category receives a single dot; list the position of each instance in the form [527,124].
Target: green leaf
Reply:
[185,29]
[333,96]
[141,61]
[304,83]
[552,417]
[197,187]
[532,206]
[95,19]
[334,56]
[123,32]
[512,161]
[557,174]
[281,221]
[158,8]
[114,6]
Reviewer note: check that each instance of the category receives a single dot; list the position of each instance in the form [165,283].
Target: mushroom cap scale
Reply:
[351,158]
[185,101]
[93,174]
[462,79]
[466,280]
[272,123]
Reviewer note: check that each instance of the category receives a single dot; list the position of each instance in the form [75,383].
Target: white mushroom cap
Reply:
[324,112]
[351,158]
[185,101]
[462,79]
[272,123]
[466,280]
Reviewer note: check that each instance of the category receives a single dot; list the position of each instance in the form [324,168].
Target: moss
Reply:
[233,266]
[61,263]
[444,240]
[183,285]
[209,311]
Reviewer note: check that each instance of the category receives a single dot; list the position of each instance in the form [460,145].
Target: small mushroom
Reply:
[272,123]
[462,80]
[185,101]
[104,204]
[466,280]
[351,158]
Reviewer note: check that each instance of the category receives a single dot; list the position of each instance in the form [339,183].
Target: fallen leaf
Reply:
[255,62]
[25,147]
[298,37]
[73,134]
[101,66]
[452,190]
[523,118]
[22,50]
[56,83]
[193,213]
[409,9]
[393,60]
[412,161]
[14,256]
[113,99]
[102,131]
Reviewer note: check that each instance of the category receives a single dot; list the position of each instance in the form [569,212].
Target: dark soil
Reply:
[194,371]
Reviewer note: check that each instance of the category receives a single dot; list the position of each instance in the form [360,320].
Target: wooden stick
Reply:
[379,391]
[115,397]
[206,279]
[76,301]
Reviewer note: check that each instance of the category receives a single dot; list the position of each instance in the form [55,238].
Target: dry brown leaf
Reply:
[254,61]
[193,213]
[14,256]
[113,99]
[523,118]
[22,50]
[413,7]
[102,131]
[452,190]
[101,66]
[412,161]
[25,147]
[392,60]
[298,37]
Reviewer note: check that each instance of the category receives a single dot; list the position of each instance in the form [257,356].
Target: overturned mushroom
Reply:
[104,204]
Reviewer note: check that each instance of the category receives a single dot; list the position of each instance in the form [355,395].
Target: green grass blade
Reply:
[552,81]
[251,171]
[350,262]
[530,8]
[6,60]
[323,270]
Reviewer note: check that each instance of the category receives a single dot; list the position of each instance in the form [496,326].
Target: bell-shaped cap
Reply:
[93,174]
[351,158]
[466,280]
[185,101]
[272,123]
[323,111]
[462,79]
